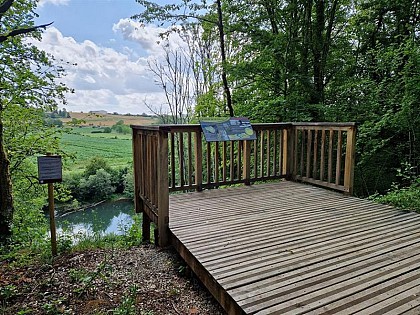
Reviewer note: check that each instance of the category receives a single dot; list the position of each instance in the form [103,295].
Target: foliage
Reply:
[128,304]
[30,80]
[129,183]
[120,127]
[27,135]
[405,193]
[98,181]
[97,186]
[313,61]
[404,198]
[95,164]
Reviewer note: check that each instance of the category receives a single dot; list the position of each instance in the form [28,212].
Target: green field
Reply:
[115,148]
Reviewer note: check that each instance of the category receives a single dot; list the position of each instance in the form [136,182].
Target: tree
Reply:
[173,75]
[184,14]
[28,80]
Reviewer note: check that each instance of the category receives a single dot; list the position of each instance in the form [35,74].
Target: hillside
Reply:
[109,119]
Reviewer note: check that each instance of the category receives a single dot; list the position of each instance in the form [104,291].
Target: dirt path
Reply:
[141,280]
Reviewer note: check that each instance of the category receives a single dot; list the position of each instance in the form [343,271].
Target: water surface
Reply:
[105,218]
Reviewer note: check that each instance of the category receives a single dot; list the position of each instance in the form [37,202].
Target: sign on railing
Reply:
[227,129]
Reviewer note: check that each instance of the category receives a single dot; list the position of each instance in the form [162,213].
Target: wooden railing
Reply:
[324,154]
[172,158]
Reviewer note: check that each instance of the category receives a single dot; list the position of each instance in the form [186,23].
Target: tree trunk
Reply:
[317,96]
[6,199]
[223,53]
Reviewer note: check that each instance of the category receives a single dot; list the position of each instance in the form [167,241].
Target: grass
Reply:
[115,148]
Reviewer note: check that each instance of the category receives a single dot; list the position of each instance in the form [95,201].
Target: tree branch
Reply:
[22,31]
[5,6]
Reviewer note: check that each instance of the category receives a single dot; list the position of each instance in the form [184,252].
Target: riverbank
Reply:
[139,280]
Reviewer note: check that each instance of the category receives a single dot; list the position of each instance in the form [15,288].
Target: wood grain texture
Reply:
[290,248]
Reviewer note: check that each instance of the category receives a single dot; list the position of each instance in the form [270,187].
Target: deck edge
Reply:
[224,299]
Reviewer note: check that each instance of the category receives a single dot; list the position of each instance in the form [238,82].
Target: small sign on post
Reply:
[50,172]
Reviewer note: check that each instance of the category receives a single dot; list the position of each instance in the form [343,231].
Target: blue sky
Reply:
[111,52]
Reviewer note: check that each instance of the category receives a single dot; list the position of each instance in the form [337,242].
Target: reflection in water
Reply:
[106,218]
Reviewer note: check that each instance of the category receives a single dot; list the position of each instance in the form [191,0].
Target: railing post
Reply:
[289,152]
[198,155]
[138,181]
[246,172]
[163,188]
[350,160]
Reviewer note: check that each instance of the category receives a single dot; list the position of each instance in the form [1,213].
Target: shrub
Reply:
[405,198]
[96,164]
[97,187]
[129,184]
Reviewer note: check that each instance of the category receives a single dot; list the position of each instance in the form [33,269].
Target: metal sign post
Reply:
[50,172]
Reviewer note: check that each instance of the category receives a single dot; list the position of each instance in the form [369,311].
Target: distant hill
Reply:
[102,119]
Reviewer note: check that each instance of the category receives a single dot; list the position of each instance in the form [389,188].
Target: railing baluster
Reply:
[256,156]
[198,154]
[173,175]
[238,167]
[208,151]
[308,154]
[232,160]
[268,151]
[262,154]
[181,159]
[302,150]
[247,161]
[330,155]
[224,169]
[338,160]
[315,165]
[322,166]
[216,162]
[189,143]
[275,160]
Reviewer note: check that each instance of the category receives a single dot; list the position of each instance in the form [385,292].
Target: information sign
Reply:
[227,129]
[49,169]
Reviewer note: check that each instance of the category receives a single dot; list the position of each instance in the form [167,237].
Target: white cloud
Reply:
[147,36]
[54,2]
[103,78]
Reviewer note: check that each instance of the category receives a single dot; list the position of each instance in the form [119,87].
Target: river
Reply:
[105,218]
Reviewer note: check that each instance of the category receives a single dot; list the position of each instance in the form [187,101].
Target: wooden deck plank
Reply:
[288,216]
[277,259]
[389,251]
[289,248]
[308,302]
[307,230]
[235,279]
[329,279]
[288,243]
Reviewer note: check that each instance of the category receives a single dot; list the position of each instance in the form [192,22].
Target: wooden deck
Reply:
[290,248]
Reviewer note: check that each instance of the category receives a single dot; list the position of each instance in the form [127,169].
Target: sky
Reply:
[110,51]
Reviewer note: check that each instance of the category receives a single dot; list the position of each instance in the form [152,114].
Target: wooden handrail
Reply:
[176,158]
